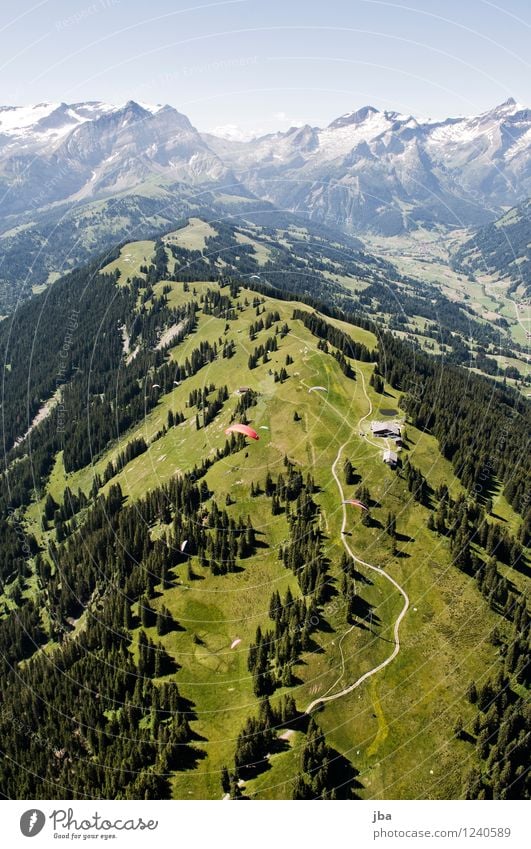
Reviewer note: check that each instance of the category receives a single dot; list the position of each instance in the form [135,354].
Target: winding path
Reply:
[327,697]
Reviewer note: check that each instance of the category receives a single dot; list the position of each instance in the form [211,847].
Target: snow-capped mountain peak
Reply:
[387,170]
[367,168]
[26,130]
[57,152]
[356,117]
[508,107]
[48,123]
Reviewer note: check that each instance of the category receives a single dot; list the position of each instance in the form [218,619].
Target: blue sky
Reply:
[261,65]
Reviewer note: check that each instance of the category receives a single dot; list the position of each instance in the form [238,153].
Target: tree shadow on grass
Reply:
[467,737]
[262,764]
[313,647]
[185,758]
[329,591]
[522,566]
[324,626]
[343,777]
[364,610]
[172,626]
[363,579]
[187,707]
[374,523]
[404,538]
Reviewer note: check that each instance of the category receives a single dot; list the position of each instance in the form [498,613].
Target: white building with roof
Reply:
[391,429]
[390,457]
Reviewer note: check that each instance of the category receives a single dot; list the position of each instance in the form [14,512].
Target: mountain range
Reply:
[389,172]
[90,174]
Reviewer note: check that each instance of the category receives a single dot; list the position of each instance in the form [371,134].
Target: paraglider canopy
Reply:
[184,544]
[356,503]
[320,388]
[243,428]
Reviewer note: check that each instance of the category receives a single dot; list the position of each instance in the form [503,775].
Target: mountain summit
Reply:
[64,153]
[388,172]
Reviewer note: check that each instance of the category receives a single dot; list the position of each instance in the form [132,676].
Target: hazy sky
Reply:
[260,65]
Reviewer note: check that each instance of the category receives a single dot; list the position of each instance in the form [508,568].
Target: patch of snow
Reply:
[30,123]
[335,142]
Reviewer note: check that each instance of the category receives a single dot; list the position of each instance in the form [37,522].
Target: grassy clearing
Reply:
[132,256]
[193,236]
[261,252]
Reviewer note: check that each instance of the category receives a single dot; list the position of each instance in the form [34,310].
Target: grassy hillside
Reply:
[395,732]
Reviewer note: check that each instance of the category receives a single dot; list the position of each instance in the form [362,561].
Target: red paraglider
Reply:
[356,503]
[243,428]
